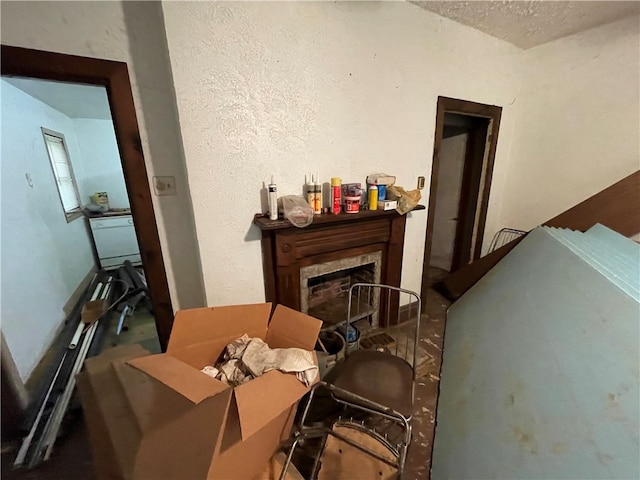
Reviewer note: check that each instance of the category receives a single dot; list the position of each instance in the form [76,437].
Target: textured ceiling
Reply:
[526,24]
[72,99]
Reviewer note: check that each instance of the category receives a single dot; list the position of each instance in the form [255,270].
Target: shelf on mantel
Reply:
[264,223]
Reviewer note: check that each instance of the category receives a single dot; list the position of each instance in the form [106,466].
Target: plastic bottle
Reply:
[309,189]
[336,193]
[317,189]
[373,197]
[273,200]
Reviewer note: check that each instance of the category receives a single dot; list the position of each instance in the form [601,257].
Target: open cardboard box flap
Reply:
[291,329]
[146,402]
[200,324]
[256,411]
[198,336]
[179,376]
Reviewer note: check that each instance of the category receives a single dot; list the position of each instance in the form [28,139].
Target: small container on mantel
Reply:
[352,204]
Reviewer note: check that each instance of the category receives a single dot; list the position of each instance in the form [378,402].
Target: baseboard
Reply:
[79,291]
[408,312]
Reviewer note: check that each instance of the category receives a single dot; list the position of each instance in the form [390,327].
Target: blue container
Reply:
[351,336]
[382,192]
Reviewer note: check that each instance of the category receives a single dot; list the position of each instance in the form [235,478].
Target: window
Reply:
[63,173]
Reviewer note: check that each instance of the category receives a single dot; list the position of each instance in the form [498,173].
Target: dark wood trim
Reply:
[433,188]
[268,263]
[461,280]
[464,247]
[492,138]
[407,312]
[114,76]
[452,105]
[326,219]
[616,207]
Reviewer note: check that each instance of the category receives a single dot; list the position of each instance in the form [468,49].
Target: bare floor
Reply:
[431,340]
[71,458]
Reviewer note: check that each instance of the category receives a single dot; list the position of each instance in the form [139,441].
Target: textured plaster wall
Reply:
[578,122]
[130,32]
[343,89]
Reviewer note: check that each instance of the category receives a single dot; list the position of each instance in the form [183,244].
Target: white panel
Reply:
[114,237]
[540,372]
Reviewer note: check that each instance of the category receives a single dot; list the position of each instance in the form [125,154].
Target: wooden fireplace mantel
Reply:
[286,248]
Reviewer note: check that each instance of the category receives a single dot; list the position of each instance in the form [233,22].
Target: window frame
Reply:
[76,212]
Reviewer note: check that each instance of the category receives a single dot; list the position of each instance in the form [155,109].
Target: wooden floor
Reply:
[71,458]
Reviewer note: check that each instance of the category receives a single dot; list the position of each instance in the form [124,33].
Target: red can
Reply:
[352,204]
[336,192]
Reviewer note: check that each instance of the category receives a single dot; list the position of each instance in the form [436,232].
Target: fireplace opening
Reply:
[325,288]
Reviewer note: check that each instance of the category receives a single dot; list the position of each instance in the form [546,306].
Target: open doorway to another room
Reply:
[464,150]
[70,216]
[69,132]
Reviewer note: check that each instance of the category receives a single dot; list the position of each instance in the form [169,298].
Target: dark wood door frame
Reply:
[464,249]
[24,62]
[493,114]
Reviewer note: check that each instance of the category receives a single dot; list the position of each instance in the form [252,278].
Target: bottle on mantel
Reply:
[317,190]
[336,195]
[373,197]
[273,200]
[309,190]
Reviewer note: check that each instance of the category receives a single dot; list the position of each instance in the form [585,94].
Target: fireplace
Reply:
[304,266]
[324,287]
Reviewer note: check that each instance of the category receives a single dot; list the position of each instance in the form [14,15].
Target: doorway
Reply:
[464,150]
[114,76]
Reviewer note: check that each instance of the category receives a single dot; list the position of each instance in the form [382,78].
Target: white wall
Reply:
[100,161]
[344,89]
[578,122]
[44,258]
[130,32]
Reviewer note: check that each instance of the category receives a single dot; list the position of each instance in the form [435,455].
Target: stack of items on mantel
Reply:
[379,193]
[160,417]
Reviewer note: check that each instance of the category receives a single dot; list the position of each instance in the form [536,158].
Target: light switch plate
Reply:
[420,183]
[164,185]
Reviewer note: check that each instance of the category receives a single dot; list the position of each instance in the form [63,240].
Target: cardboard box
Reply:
[158,417]
[274,468]
[387,204]
[381,179]
[93,310]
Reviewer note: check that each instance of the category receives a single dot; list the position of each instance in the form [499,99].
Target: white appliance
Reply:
[115,240]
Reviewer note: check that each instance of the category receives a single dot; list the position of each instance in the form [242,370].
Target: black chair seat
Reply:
[380,377]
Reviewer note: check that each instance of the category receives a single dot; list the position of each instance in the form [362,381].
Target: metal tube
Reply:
[76,336]
[26,443]
[96,292]
[63,402]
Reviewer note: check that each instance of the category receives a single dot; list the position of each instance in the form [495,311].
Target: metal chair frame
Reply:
[357,402]
[504,236]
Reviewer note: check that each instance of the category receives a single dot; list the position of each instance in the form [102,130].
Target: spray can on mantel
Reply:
[373,197]
[273,200]
[317,189]
[336,193]
[309,191]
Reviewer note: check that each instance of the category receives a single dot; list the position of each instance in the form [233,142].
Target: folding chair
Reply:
[379,382]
